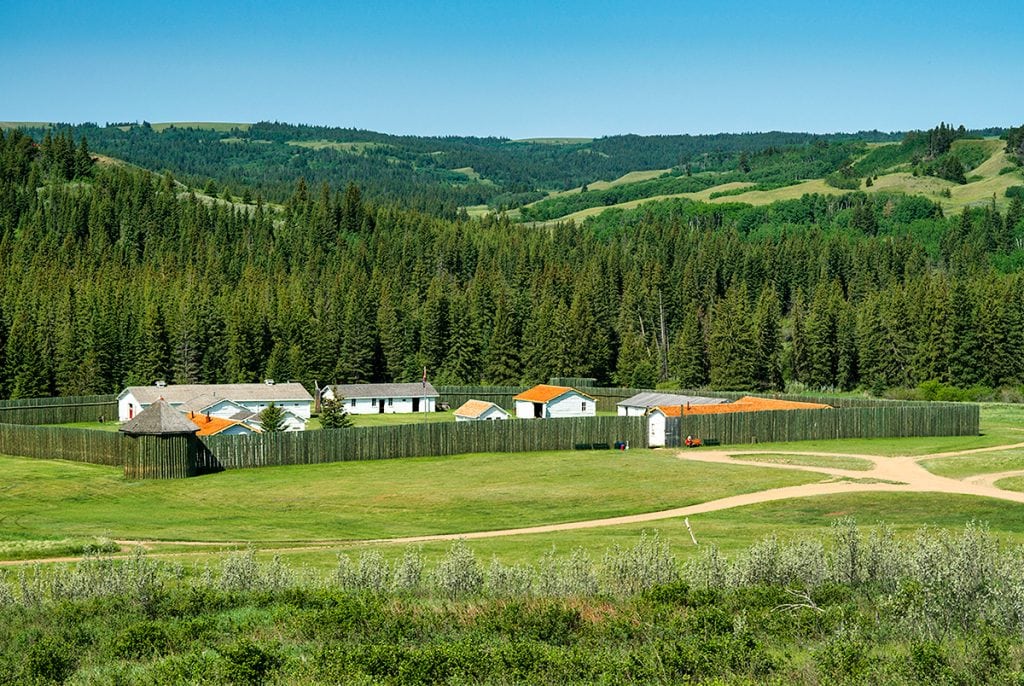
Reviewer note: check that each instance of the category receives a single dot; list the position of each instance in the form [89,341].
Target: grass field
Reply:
[854,463]
[359,500]
[49,506]
[396,419]
[970,465]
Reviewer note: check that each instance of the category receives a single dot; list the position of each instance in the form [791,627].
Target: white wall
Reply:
[491,413]
[298,408]
[631,411]
[122,407]
[395,406]
[494,413]
[571,405]
[524,409]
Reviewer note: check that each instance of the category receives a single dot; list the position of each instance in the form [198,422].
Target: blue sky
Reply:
[518,69]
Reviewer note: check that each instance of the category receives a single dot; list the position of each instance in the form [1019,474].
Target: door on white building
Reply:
[656,431]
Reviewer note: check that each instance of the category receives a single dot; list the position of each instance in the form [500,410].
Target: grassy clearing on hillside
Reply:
[209,125]
[352,500]
[811,461]
[349,146]
[989,183]
[629,177]
[554,141]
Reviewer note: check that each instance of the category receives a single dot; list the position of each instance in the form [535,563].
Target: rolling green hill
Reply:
[989,171]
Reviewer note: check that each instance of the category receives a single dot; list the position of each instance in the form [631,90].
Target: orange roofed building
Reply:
[751,403]
[211,425]
[552,402]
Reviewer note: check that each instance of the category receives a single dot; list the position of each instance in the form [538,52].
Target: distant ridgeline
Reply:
[435,174]
[115,276]
[438,175]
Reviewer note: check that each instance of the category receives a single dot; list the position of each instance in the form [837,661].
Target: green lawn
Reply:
[811,461]
[99,426]
[359,500]
[962,466]
[1013,483]
[391,419]
[731,531]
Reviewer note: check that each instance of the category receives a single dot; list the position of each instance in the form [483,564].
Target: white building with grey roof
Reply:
[641,403]
[251,397]
[383,398]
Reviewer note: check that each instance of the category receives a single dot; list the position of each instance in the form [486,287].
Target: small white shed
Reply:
[479,410]
[656,419]
[551,402]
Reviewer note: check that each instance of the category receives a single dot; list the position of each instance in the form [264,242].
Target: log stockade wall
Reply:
[63,443]
[417,440]
[176,457]
[62,410]
[878,420]
[161,457]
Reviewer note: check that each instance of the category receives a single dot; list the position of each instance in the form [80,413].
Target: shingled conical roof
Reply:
[159,419]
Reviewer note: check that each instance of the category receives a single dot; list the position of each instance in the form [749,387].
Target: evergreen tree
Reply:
[503,366]
[333,414]
[272,419]
[767,351]
[731,342]
[688,359]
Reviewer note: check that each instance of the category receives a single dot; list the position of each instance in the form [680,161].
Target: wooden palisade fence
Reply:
[894,420]
[63,443]
[61,410]
[413,440]
[850,418]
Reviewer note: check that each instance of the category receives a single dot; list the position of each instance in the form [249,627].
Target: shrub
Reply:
[408,575]
[843,655]
[458,574]
[50,659]
[142,640]
[247,662]
[647,564]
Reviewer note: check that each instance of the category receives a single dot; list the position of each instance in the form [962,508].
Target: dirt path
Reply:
[900,474]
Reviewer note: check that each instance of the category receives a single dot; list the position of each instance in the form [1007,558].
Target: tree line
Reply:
[118,276]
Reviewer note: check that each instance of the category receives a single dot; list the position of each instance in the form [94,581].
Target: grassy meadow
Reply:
[309,513]
[364,500]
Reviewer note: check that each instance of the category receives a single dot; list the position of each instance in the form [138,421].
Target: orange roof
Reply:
[543,393]
[751,403]
[669,410]
[474,408]
[210,425]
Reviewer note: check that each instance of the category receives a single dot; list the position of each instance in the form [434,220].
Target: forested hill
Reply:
[112,275]
[434,174]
